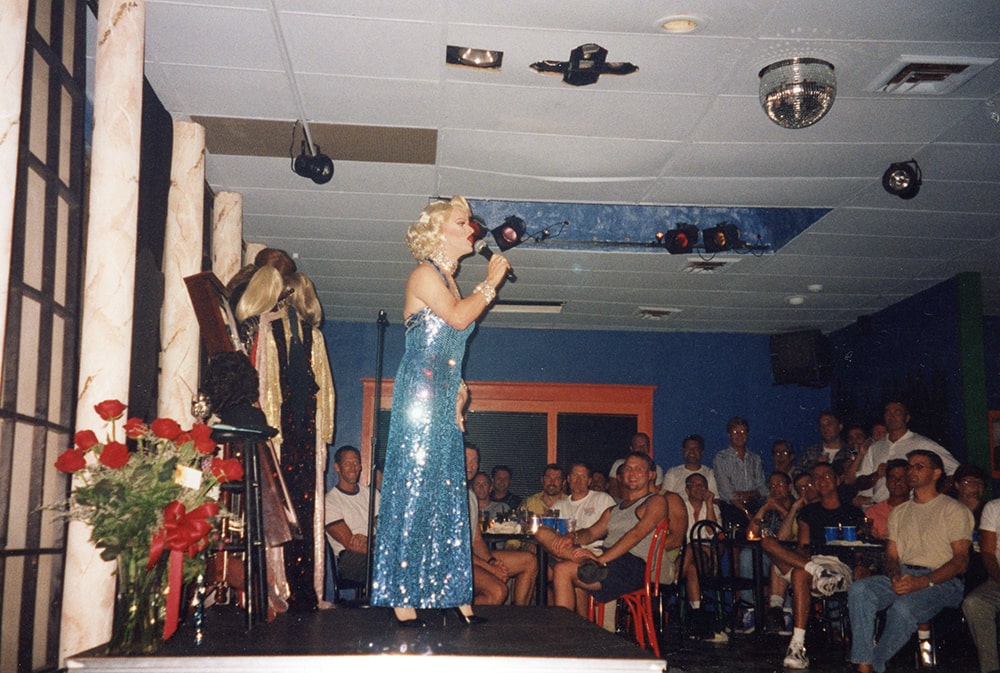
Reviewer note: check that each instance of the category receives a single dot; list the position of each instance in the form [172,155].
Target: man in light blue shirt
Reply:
[738,471]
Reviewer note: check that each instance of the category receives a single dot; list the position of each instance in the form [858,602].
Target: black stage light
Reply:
[317,167]
[902,179]
[680,240]
[721,237]
[510,233]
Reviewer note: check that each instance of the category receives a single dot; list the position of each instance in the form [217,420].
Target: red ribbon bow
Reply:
[182,532]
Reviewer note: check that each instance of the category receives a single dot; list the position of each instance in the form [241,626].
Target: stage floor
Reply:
[349,639]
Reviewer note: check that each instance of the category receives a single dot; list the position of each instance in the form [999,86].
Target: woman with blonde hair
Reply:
[423,556]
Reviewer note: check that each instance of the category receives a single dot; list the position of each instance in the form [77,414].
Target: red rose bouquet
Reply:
[149,500]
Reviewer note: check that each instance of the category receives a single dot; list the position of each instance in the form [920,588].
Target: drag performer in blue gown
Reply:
[423,557]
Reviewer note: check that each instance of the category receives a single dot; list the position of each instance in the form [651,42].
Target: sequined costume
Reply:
[423,557]
[297,396]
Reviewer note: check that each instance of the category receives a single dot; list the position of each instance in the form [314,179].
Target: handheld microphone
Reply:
[483,249]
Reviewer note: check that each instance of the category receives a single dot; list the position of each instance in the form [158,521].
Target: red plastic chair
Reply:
[640,602]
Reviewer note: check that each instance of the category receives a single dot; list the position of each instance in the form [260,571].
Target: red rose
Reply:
[135,428]
[109,410]
[182,439]
[202,436]
[71,460]
[114,455]
[85,440]
[165,428]
[227,469]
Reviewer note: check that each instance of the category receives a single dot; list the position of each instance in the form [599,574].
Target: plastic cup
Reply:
[850,533]
[831,533]
[561,526]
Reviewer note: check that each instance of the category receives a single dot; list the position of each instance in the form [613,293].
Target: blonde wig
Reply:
[262,293]
[304,298]
[424,236]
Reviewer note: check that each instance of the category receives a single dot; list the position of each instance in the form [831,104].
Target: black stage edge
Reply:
[519,639]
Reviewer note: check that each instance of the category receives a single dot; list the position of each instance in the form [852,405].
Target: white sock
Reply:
[695,605]
[798,637]
[923,635]
[777,601]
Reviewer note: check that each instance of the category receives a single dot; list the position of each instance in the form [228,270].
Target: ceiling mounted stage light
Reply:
[903,179]
[317,167]
[585,65]
[797,92]
[721,237]
[680,240]
[510,233]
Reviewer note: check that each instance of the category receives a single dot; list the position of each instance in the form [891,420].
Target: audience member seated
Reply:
[899,492]
[700,504]
[899,441]
[627,531]
[347,506]
[553,488]
[599,481]
[489,510]
[926,553]
[739,472]
[492,569]
[830,448]
[969,486]
[783,456]
[982,604]
[502,477]
[583,504]
[692,450]
[804,567]
[640,442]
[765,523]
[779,612]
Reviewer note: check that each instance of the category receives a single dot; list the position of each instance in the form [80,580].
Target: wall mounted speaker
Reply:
[802,358]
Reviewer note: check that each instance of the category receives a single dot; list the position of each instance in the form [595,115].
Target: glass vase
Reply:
[140,605]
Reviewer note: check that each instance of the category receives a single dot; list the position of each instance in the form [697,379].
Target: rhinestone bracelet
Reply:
[485,289]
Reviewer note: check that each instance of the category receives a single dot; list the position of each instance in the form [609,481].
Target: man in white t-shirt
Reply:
[347,516]
[583,504]
[692,450]
[983,603]
[870,473]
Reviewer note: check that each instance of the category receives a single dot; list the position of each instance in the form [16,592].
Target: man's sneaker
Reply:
[796,657]
[925,654]
[774,620]
[747,623]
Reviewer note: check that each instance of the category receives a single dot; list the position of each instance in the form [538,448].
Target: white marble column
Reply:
[13,31]
[108,290]
[227,235]
[182,249]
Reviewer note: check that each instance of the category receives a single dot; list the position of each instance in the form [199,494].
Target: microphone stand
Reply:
[382,323]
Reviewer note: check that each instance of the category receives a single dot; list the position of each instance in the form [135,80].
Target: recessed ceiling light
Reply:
[487,59]
[815,287]
[682,24]
[796,300]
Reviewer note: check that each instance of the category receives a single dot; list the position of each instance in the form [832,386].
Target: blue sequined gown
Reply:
[423,555]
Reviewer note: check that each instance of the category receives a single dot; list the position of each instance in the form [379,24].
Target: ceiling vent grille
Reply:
[655,313]
[700,265]
[928,75]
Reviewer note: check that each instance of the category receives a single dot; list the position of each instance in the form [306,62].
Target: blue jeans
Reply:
[867,597]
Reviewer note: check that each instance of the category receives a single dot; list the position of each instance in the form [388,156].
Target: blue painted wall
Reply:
[912,349]
[701,379]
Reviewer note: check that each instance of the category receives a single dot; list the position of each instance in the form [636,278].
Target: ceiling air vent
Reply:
[655,313]
[928,75]
[702,265]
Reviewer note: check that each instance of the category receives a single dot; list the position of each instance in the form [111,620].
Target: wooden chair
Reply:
[640,602]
